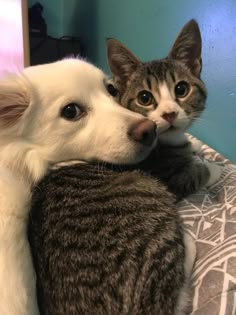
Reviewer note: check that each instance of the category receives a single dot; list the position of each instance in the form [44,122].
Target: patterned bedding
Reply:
[210,217]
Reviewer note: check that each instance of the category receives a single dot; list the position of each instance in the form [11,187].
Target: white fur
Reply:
[34,137]
[190,257]
[173,138]
[190,254]
[196,145]
[167,104]
[215,172]
[17,278]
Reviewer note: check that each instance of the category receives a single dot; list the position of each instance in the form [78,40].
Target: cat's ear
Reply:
[188,46]
[121,60]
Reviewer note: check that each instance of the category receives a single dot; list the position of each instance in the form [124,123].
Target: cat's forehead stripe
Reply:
[145,84]
[148,70]
[164,91]
[129,103]
[162,70]
[172,76]
[149,84]
[155,85]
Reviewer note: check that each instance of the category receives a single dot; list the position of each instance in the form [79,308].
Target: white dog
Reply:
[48,114]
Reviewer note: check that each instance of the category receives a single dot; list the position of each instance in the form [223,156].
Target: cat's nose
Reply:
[170,117]
[143,131]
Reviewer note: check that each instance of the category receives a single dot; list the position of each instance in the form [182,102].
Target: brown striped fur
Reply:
[108,242]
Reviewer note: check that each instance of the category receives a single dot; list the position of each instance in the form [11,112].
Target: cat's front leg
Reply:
[196,145]
[192,177]
[215,171]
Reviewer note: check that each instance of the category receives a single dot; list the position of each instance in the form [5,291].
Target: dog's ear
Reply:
[187,47]
[14,99]
[121,61]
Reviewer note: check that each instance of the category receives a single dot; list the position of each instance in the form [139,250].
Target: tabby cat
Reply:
[170,92]
[108,242]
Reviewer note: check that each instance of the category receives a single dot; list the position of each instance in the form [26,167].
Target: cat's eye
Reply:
[182,89]
[112,90]
[145,98]
[72,111]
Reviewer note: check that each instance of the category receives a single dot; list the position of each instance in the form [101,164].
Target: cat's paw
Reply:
[215,172]
[196,145]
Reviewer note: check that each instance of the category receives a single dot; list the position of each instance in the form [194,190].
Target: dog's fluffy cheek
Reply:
[14,194]
[37,165]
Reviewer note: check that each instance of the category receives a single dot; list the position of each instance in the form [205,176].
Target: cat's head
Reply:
[169,91]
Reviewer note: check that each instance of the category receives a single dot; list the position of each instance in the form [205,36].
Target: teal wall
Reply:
[61,16]
[149,28]
[73,18]
[53,14]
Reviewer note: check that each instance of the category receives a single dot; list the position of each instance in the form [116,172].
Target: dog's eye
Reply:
[71,111]
[145,98]
[112,90]
[181,89]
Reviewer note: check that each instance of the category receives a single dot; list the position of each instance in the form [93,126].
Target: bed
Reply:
[210,217]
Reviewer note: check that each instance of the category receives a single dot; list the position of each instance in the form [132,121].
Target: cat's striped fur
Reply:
[107,242]
[170,92]
[153,75]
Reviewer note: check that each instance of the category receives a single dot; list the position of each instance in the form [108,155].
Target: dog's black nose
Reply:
[143,131]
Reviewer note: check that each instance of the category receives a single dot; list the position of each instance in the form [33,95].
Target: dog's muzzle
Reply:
[143,131]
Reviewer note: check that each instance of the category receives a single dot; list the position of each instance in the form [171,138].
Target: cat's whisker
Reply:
[98,165]
[103,167]
[201,119]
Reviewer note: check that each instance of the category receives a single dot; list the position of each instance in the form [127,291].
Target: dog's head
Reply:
[63,111]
